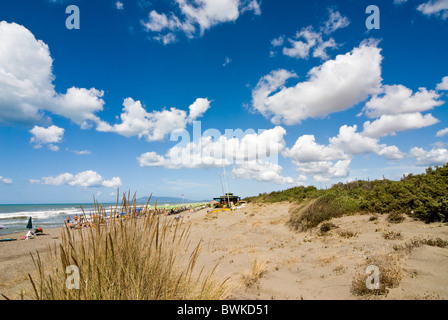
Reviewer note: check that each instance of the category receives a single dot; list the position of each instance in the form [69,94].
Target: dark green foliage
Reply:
[291,195]
[423,196]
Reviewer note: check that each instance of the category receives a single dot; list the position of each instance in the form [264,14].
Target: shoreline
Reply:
[52,218]
[23,233]
[293,265]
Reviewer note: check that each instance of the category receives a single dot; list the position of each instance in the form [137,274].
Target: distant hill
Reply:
[163,200]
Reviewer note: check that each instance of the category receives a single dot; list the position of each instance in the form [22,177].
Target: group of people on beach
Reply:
[82,222]
[176,210]
[77,222]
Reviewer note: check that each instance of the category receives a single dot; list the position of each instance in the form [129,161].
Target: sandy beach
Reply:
[16,261]
[288,264]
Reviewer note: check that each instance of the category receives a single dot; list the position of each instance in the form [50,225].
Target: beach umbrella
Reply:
[30,224]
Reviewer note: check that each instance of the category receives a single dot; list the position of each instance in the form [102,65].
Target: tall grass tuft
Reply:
[390,275]
[133,257]
[253,275]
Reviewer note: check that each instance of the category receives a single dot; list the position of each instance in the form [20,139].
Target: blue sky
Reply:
[318,96]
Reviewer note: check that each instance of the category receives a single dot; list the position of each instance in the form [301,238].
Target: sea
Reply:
[14,217]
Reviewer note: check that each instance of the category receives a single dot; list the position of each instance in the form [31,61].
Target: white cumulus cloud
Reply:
[433,157]
[263,171]
[79,105]
[306,149]
[435,7]
[334,86]
[119,5]
[194,17]
[307,39]
[442,132]
[335,21]
[390,124]
[216,151]
[85,179]
[47,136]
[5,180]
[391,153]
[325,171]
[25,74]
[155,125]
[326,162]
[397,99]
[198,108]
[443,85]
[353,142]
[27,92]
[301,45]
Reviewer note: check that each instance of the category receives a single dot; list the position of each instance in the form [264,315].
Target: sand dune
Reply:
[309,265]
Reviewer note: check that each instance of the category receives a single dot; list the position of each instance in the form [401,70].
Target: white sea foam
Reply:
[40,214]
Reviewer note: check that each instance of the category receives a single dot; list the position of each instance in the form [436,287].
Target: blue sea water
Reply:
[14,217]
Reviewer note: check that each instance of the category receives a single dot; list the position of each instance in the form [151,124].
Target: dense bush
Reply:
[291,195]
[423,196]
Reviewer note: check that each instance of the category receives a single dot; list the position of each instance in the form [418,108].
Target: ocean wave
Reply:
[44,214]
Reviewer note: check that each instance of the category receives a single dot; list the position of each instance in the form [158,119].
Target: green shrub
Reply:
[329,205]
[423,196]
[295,194]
